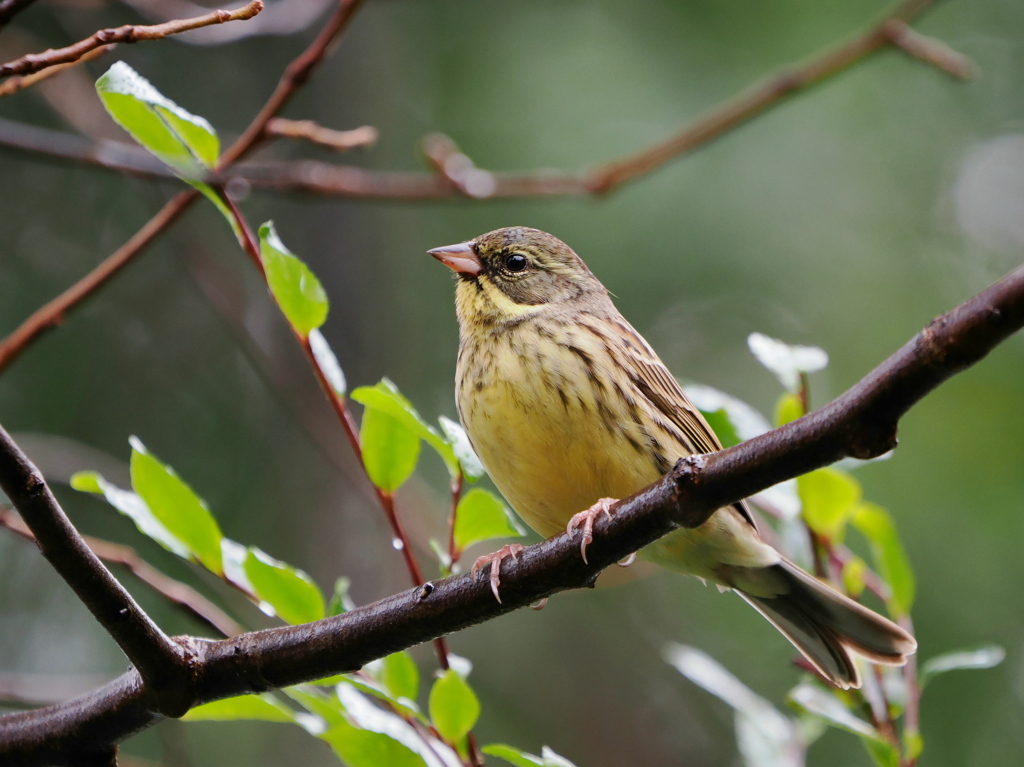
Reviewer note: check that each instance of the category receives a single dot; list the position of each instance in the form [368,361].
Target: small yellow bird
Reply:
[568,408]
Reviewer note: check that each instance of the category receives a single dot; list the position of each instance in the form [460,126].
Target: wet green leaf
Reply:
[520,758]
[828,497]
[876,524]
[481,516]
[400,676]
[390,449]
[720,424]
[472,469]
[290,593]
[264,708]
[454,707]
[178,509]
[187,143]
[327,362]
[294,286]
[788,408]
[814,700]
[364,748]
[986,656]
[386,398]
[341,601]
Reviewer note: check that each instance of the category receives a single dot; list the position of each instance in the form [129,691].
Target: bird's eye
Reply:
[516,262]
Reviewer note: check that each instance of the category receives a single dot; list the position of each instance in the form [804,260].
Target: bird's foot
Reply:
[494,560]
[586,519]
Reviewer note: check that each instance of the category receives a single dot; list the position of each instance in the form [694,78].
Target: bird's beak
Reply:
[459,258]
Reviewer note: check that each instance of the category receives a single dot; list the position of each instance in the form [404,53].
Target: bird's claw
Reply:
[586,519]
[494,560]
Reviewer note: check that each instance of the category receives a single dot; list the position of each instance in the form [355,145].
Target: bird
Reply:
[569,408]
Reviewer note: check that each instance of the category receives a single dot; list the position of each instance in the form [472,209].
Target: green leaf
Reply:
[341,601]
[320,704]
[472,469]
[133,507]
[400,676]
[913,744]
[853,576]
[481,516]
[188,144]
[789,408]
[720,424]
[986,656]
[87,482]
[181,512]
[828,707]
[882,753]
[386,398]
[390,449]
[765,736]
[876,524]
[829,497]
[520,758]
[294,286]
[327,362]
[290,593]
[264,708]
[512,755]
[454,707]
[786,361]
[364,748]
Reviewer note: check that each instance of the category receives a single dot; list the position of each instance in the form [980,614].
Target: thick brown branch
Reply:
[861,422]
[172,590]
[129,33]
[160,661]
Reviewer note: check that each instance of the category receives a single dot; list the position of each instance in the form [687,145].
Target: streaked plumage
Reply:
[566,403]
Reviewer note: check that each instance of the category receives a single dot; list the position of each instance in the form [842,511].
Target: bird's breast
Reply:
[540,405]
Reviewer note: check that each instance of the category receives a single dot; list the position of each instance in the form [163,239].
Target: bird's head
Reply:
[516,272]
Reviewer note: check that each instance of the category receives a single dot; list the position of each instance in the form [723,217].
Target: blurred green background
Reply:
[846,218]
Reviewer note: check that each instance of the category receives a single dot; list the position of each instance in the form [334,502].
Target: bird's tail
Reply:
[825,626]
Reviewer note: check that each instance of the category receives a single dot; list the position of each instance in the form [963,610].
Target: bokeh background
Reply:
[846,218]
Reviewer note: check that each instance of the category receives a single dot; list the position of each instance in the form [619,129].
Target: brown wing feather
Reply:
[658,386]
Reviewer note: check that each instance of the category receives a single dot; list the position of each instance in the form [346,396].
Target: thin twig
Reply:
[160,661]
[16,84]
[313,132]
[52,314]
[758,98]
[129,33]
[172,590]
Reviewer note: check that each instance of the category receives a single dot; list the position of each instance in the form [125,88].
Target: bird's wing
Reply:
[657,385]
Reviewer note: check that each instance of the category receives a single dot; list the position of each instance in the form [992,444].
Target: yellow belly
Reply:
[552,456]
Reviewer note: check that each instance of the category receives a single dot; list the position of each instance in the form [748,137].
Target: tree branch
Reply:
[129,33]
[52,314]
[160,661]
[860,423]
[308,130]
[15,84]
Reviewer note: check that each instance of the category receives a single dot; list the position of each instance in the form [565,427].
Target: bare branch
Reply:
[159,660]
[16,84]
[861,422]
[52,314]
[308,130]
[172,590]
[758,98]
[129,33]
